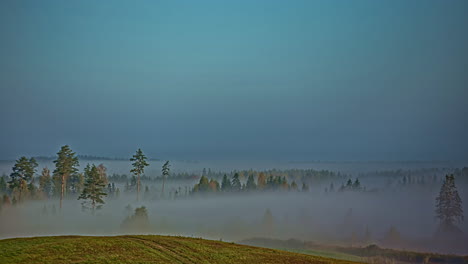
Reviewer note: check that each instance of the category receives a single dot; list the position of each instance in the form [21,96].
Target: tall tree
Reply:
[139,164]
[449,204]
[250,185]
[23,172]
[94,188]
[236,184]
[66,165]
[165,173]
[45,182]
[356,184]
[225,184]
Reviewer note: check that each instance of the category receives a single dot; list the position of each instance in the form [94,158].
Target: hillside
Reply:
[142,249]
[370,254]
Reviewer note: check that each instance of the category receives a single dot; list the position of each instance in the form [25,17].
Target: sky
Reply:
[289,80]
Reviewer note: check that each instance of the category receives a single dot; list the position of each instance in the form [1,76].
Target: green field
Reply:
[142,249]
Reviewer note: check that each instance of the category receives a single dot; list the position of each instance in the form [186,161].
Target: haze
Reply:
[283,80]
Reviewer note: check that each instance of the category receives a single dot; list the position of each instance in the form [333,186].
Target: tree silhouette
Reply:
[23,173]
[165,174]
[139,164]
[449,204]
[93,188]
[66,165]
[251,186]
[236,184]
[225,184]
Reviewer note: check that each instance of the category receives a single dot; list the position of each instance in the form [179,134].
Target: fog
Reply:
[319,215]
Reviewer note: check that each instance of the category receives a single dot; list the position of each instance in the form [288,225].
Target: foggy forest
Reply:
[236,131]
[348,206]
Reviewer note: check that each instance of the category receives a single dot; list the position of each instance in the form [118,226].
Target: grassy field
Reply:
[142,249]
[367,254]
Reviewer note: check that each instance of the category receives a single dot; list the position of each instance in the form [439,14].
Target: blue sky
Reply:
[293,80]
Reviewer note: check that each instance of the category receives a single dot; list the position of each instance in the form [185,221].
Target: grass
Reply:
[326,254]
[143,249]
[369,254]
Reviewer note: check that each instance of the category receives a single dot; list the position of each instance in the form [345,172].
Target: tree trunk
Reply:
[138,188]
[20,190]
[62,190]
[162,192]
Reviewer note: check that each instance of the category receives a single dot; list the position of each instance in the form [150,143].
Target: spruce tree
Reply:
[23,172]
[139,164]
[236,184]
[356,184]
[66,166]
[225,184]
[94,189]
[449,204]
[349,184]
[251,186]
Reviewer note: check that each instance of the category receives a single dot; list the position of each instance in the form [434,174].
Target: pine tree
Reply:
[349,184]
[449,204]
[236,184]
[139,164]
[251,186]
[225,184]
[93,190]
[23,172]
[66,165]
[45,182]
[165,174]
[356,184]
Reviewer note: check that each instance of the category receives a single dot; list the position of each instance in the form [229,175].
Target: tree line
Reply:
[65,181]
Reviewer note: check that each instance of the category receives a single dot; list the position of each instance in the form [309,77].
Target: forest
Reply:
[413,209]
